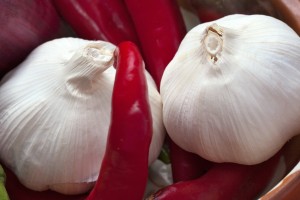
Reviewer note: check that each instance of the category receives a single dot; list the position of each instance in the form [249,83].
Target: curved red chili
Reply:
[223,181]
[185,165]
[160,28]
[124,169]
[98,19]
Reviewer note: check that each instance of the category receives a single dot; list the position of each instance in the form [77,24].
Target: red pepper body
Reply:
[124,169]
[186,166]
[98,19]
[223,181]
[206,14]
[160,28]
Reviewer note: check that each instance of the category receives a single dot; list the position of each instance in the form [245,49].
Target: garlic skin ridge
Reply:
[55,115]
[232,91]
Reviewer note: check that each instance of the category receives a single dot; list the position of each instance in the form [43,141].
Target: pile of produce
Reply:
[154,99]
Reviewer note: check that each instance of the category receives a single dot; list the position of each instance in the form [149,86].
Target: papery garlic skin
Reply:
[55,115]
[232,91]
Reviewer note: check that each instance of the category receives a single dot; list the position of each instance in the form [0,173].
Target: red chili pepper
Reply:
[160,28]
[124,169]
[206,14]
[186,166]
[223,181]
[98,19]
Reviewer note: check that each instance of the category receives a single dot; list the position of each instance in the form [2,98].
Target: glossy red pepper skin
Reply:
[124,169]
[187,166]
[160,28]
[223,181]
[98,19]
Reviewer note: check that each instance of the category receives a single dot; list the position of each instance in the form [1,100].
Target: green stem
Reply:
[3,192]
[164,155]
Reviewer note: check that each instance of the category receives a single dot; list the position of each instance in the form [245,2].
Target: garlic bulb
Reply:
[55,115]
[232,91]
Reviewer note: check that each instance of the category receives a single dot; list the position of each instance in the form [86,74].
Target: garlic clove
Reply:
[231,92]
[157,119]
[55,114]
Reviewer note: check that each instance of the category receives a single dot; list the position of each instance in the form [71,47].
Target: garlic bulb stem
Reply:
[213,42]
[86,65]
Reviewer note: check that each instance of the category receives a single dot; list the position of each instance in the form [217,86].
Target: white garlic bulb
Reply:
[55,115]
[232,91]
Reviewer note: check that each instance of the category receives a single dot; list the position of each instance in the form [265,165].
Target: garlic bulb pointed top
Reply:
[86,66]
[55,115]
[232,91]
[213,42]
